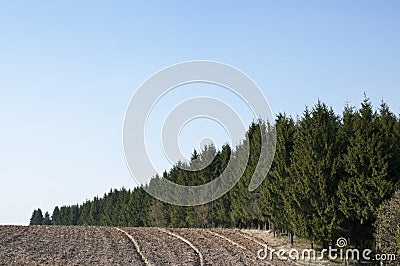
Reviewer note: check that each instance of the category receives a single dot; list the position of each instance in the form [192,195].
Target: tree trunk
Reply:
[291,238]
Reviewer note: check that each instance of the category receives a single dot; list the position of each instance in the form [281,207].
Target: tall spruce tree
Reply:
[244,206]
[315,175]
[55,216]
[221,207]
[371,164]
[275,187]
[37,217]
[46,219]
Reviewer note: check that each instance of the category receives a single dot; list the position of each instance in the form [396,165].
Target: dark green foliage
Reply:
[244,208]
[55,217]
[315,173]
[276,207]
[328,178]
[46,219]
[388,225]
[37,217]
[371,168]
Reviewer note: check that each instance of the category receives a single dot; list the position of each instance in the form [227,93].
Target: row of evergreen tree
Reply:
[328,178]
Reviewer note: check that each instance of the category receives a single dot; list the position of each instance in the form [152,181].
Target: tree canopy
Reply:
[330,175]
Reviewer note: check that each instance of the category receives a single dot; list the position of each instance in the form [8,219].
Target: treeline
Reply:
[330,175]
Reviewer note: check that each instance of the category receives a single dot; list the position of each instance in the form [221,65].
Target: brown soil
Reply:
[65,245]
[162,249]
[91,245]
[217,250]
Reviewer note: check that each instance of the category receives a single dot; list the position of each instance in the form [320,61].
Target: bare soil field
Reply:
[65,245]
[91,245]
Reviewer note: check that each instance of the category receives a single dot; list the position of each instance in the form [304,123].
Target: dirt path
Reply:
[201,260]
[161,248]
[252,243]
[217,250]
[227,239]
[137,247]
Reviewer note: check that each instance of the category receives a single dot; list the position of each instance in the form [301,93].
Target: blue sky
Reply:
[68,70]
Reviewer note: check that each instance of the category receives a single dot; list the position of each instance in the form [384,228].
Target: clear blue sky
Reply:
[68,70]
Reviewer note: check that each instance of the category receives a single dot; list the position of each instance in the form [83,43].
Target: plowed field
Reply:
[91,245]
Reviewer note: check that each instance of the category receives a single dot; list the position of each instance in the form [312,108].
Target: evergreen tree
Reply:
[246,205]
[55,217]
[315,175]
[371,163]
[37,217]
[275,188]
[85,216]
[157,214]
[46,219]
[220,208]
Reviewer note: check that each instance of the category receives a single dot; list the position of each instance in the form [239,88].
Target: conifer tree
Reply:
[371,163]
[55,217]
[275,188]
[37,217]
[46,219]
[315,174]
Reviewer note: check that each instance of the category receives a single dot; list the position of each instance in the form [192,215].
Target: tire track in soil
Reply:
[260,242]
[216,250]
[201,260]
[227,239]
[162,248]
[253,244]
[137,247]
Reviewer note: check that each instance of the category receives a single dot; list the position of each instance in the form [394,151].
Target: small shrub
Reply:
[398,238]
[387,227]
